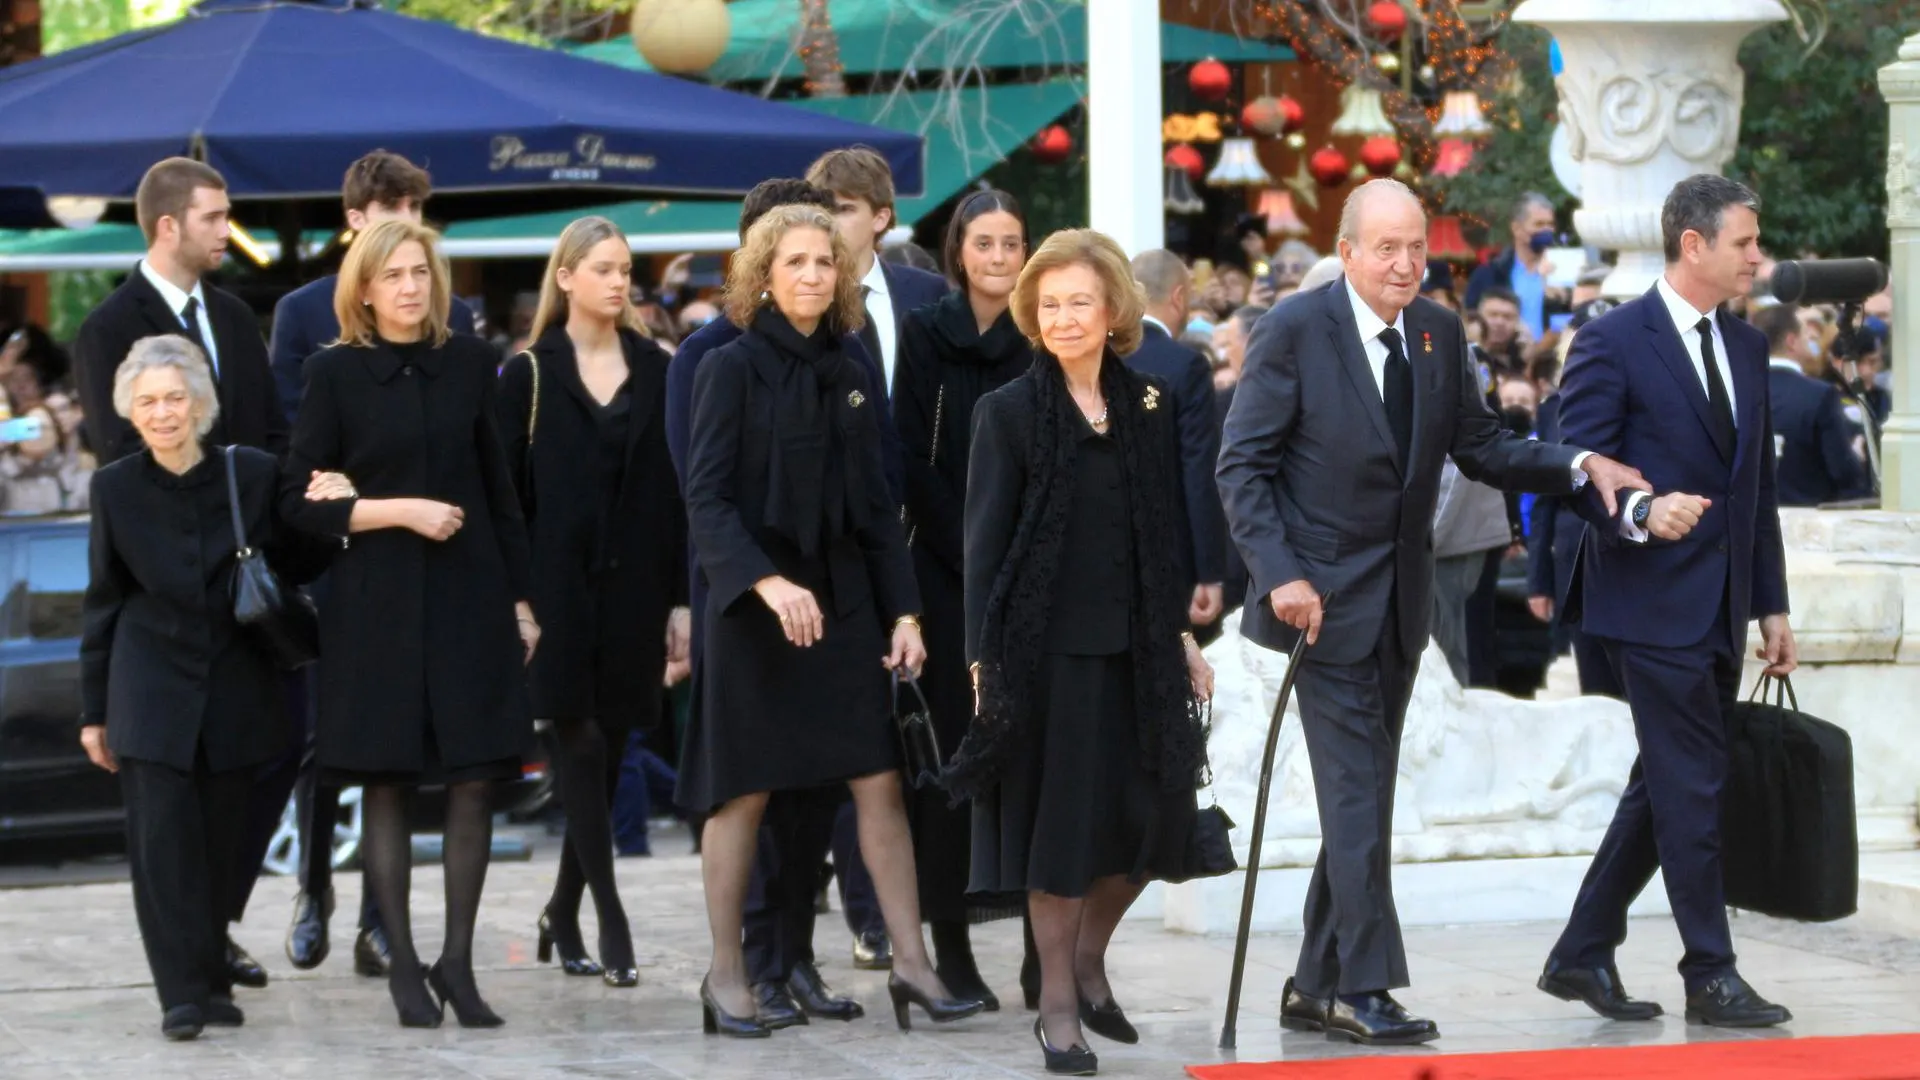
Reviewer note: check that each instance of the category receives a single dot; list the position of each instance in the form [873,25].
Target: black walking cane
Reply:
[1227,1033]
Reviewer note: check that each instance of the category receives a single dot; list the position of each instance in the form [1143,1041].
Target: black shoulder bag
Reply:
[281,619]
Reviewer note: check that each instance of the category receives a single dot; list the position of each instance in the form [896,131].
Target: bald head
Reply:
[1372,196]
[1167,282]
[1383,245]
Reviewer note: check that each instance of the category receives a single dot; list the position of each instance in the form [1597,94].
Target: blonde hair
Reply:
[576,241]
[370,253]
[161,352]
[751,270]
[1126,300]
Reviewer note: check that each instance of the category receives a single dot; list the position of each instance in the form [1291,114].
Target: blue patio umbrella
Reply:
[281,95]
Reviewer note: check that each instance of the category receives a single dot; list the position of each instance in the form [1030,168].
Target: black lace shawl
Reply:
[1170,731]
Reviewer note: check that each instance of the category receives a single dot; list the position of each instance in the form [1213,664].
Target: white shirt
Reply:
[1785,364]
[177,303]
[880,311]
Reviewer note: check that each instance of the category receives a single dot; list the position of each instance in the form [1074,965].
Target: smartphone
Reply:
[22,429]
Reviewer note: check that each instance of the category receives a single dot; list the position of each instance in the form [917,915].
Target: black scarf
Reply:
[1012,635]
[956,334]
[807,498]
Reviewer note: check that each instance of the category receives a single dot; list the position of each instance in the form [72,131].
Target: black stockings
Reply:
[586,769]
[387,846]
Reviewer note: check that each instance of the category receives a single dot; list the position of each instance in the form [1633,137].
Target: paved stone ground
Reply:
[75,1001]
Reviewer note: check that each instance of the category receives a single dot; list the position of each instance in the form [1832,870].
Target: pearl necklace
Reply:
[1098,421]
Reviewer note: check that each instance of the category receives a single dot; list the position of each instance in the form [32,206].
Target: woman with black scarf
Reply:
[952,353]
[1086,743]
[811,599]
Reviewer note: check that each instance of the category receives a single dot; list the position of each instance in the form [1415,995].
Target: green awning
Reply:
[887,36]
[966,134]
[106,246]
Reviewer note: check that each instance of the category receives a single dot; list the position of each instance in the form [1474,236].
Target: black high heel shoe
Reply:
[716,1020]
[1075,1060]
[578,964]
[415,1013]
[939,1010]
[1107,1020]
[621,976]
[471,1014]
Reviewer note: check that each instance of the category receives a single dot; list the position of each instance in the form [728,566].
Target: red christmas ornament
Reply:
[1380,154]
[1210,80]
[1387,18]
[1328,166]
[1184,156]
[1262,115]
[1052,145]
[1293,114]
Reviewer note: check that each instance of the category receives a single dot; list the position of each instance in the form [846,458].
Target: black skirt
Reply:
[1080,802]
[434,772]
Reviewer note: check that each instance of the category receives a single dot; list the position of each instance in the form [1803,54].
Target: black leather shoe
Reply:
[182,1022]
[872,951]
[817,998]
[370,956]
[307,943]
[1106,1021]
[715,1020]
[1376,1019]
[774,1007]
[969,985]
[459,992]
[1299,1012]
[939,1010]
[1598,989]
[1730,1003]
[566,938]
[220,1011]
[1075,1060]
[246,971]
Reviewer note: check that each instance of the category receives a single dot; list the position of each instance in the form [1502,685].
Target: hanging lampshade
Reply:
[1239,165]
[1188,160]
[1445,240]
[1282,219]
[1210,80]
[1453,156]
[1362,113]
[1460,117]
[1180,196]
[1328,166]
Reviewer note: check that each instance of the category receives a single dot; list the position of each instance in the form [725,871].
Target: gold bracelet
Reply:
[1187,638]
[907,620]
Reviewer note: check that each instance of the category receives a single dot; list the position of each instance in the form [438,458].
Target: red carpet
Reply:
[1868,1057]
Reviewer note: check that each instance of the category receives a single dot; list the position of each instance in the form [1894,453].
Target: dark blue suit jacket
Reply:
[1631,393]
[1814,437]
[1554,527]
[680,373]
[1190,384]
[909,288]
[303,324]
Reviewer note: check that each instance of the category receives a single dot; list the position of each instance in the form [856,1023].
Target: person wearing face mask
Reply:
[586,441]
[1523,267]
[396,458]
[952,353]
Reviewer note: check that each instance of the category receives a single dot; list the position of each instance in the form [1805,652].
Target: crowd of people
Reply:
[1030,487]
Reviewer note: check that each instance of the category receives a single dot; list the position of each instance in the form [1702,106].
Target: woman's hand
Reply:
[799,613]
[909,654]
[529,629]
[679,646]
[94,738]
[434,520]
[323,486]
[1199,672]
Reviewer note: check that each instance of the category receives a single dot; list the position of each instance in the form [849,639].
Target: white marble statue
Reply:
[1482,775]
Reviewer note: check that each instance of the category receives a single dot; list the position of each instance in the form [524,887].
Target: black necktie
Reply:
[870,335]
[190,315]
[1397,393]
[1718,401]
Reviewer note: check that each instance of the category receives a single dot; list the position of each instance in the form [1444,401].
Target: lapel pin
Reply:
[856,399]
[1426,341]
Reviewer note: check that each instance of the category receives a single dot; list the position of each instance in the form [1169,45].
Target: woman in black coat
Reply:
[1086,744]
[953,352]
[176,697]
[583,413]
[811,597]
[427,622]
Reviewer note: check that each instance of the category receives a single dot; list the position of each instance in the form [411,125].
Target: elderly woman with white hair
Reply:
[176,698]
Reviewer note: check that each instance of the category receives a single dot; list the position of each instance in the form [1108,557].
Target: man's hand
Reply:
[1609,476]
[1674,514]
[1777,647]
[1542,607]
[1297,605]
[93,738]
[1207,601]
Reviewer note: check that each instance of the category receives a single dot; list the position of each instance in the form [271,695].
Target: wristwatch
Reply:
[1642,509]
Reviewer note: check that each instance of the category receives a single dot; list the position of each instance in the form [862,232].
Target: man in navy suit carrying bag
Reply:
[1674,386]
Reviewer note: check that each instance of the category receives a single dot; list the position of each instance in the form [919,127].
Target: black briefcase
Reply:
[1788,845]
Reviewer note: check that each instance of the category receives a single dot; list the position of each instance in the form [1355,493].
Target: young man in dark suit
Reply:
[1811,432]
[1352,398]
[381,186]
[1169,287]
[182,207]
[1667,582]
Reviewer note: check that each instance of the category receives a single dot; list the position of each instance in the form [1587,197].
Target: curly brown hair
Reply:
[751,270]
[1098,252]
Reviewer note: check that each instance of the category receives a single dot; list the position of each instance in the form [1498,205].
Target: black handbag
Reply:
[1788,841]
[1209,849]
[280,618]
[919,745]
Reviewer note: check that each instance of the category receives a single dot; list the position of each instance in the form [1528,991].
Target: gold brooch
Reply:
[1153,398]
[856,399]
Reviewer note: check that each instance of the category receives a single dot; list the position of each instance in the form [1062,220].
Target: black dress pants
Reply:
[799,829]
[183,840]
[273,784]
